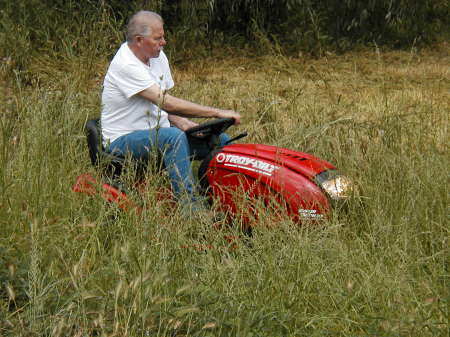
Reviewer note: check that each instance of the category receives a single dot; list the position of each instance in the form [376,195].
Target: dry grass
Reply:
[355,79]
[361,86]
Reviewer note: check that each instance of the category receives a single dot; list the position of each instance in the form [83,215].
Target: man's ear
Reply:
[138,38]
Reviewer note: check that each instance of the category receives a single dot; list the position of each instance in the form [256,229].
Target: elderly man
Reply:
[137,114]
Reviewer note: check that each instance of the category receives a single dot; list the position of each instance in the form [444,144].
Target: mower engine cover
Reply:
[240,174]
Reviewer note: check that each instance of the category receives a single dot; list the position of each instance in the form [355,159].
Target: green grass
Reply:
[73,265]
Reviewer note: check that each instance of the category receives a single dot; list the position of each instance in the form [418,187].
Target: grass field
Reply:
[75,266]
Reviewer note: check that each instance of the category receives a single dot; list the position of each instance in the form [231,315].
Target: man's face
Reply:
[152,44]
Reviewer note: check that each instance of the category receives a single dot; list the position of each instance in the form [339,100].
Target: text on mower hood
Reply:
[246,163]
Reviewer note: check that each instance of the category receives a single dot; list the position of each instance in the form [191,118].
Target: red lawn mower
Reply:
[238,177]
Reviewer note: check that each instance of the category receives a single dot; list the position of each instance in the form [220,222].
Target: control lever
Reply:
[242,135]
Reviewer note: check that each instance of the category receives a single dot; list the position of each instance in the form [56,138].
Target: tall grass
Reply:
[73,265]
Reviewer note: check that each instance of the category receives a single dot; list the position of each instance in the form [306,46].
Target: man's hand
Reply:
[229,114]
[181,122]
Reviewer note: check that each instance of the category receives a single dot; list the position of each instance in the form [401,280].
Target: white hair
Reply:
[140,24]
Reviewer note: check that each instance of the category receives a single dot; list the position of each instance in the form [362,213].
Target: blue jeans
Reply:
[176,152]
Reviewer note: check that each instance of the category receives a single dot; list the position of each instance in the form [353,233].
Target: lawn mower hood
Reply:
[246,172]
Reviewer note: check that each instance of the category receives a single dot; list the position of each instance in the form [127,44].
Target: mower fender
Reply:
[87,184]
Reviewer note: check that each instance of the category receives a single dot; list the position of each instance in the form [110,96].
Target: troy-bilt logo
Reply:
[309,213]
[246,163]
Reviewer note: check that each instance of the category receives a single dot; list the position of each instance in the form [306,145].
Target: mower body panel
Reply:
[87,184]
[243,175]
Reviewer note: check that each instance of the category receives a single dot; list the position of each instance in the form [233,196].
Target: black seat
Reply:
[113,165]
[110,164]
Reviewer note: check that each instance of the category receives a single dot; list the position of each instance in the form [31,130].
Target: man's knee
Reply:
[174,137]
[224,139]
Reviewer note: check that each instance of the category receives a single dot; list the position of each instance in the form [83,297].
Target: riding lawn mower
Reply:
[237,177]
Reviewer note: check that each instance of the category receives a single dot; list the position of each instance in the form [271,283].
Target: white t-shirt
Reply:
[123,111]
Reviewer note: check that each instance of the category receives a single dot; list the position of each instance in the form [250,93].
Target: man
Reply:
[137,114]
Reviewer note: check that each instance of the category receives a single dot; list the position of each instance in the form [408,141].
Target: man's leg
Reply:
[172,144]
[199,149]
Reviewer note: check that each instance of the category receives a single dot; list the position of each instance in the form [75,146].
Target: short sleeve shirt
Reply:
[123,111]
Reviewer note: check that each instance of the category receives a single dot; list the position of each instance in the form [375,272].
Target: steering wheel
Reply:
[213,127]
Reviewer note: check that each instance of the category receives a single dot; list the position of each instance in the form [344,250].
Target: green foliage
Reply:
[62,29]
[36,31]
[314,25]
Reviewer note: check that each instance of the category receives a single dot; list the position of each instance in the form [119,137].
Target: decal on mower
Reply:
[246,163]
[309,213]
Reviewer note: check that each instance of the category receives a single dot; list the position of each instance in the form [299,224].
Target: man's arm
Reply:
[181,122]
[184,108]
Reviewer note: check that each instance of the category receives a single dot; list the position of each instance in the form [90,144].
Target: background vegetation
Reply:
[92,28]
[75,266]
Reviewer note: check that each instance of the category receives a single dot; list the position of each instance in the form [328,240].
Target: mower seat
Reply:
[110,164]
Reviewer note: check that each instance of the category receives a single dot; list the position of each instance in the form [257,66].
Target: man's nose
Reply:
[163,42]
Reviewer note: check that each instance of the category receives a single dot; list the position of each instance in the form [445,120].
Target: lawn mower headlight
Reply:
[335,185]
[338,188]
